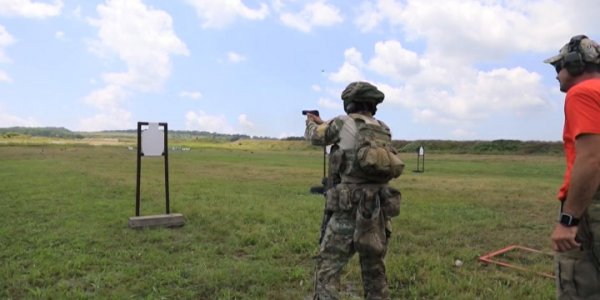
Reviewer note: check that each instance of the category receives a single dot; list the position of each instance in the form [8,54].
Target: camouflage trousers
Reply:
[578,270]
[336,250]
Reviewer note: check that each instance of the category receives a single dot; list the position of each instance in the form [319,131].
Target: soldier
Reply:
[362,204]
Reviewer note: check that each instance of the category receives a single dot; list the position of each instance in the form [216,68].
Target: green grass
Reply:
[251,225]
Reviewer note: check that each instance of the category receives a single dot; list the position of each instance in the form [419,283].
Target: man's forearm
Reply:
[585,179]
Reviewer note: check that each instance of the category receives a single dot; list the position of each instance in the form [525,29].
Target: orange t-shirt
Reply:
[582,115]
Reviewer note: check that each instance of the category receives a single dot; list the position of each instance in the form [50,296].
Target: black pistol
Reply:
[312,112]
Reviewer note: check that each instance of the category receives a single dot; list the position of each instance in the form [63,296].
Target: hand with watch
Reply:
[564,236]
[567,220]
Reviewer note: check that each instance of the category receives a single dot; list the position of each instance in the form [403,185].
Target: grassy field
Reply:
[252,227]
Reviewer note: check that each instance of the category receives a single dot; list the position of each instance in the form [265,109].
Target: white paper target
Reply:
[421,151]
[153,141]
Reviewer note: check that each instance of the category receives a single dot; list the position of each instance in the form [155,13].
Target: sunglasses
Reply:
[558,66]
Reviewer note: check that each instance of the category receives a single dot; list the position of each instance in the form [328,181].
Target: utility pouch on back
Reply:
[390,201]
[380,161]
[374,157]
[369,235]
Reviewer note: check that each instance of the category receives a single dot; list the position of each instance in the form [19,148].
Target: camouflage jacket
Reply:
[341,131]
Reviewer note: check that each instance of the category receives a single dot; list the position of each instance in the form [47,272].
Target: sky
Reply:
[450,69]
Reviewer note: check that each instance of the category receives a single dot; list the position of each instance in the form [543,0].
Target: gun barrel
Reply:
[312,112]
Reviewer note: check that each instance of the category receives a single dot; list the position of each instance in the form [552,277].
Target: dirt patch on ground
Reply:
[103,141]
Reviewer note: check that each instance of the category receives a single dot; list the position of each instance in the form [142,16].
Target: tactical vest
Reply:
[373,159]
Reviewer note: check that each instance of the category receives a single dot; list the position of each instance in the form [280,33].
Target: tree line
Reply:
[501,146]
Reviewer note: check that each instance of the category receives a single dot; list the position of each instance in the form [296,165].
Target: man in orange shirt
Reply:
[576,236]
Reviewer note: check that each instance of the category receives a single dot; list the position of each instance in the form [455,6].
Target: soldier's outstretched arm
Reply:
[321,133]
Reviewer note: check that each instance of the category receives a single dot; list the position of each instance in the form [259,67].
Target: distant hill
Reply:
[481,147]
[503,146]
[55,132]
[189,134]
[61,132]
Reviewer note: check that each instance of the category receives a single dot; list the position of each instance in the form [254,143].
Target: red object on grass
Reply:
[489,258]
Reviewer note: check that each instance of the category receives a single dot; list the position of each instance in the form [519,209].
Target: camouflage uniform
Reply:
[340,240]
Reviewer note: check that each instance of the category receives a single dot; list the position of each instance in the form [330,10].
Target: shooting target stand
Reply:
[420,160]
[153,142]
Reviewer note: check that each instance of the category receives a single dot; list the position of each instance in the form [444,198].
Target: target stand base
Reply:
[170,220]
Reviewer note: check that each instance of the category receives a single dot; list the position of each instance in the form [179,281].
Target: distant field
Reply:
[251,225]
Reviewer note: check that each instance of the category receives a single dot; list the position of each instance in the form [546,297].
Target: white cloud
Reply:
[448,93]
[502,89]
[5,40]
[217,123]
[316,87]
[369,16]
[4,77]
[8,120]
[59,35]
[234,57]
[106,98]
[107,101]
[314,14]
[204,122]
[481,30]
[351,69]
[220,13]
[191,95]
[143,38]
[393,60]
[277,5]
[113,118]
[246,124]
[442,85]
[347,73]
[354,57]
[395,95]
[77,12]
[29,9]
[478,96]
[330,104]
[462,133]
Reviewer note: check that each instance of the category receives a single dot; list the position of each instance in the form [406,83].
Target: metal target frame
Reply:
[420,160]
[168,219]
[140,153]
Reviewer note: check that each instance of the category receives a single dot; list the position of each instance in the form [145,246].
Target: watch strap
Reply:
[568,220]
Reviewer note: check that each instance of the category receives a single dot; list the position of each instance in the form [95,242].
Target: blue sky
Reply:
[450,69]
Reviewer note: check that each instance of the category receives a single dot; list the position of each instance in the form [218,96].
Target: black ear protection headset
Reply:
[573,61]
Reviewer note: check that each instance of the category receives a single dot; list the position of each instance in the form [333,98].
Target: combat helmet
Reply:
[359,92]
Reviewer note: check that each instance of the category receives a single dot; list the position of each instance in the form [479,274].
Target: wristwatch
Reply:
[567,220]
